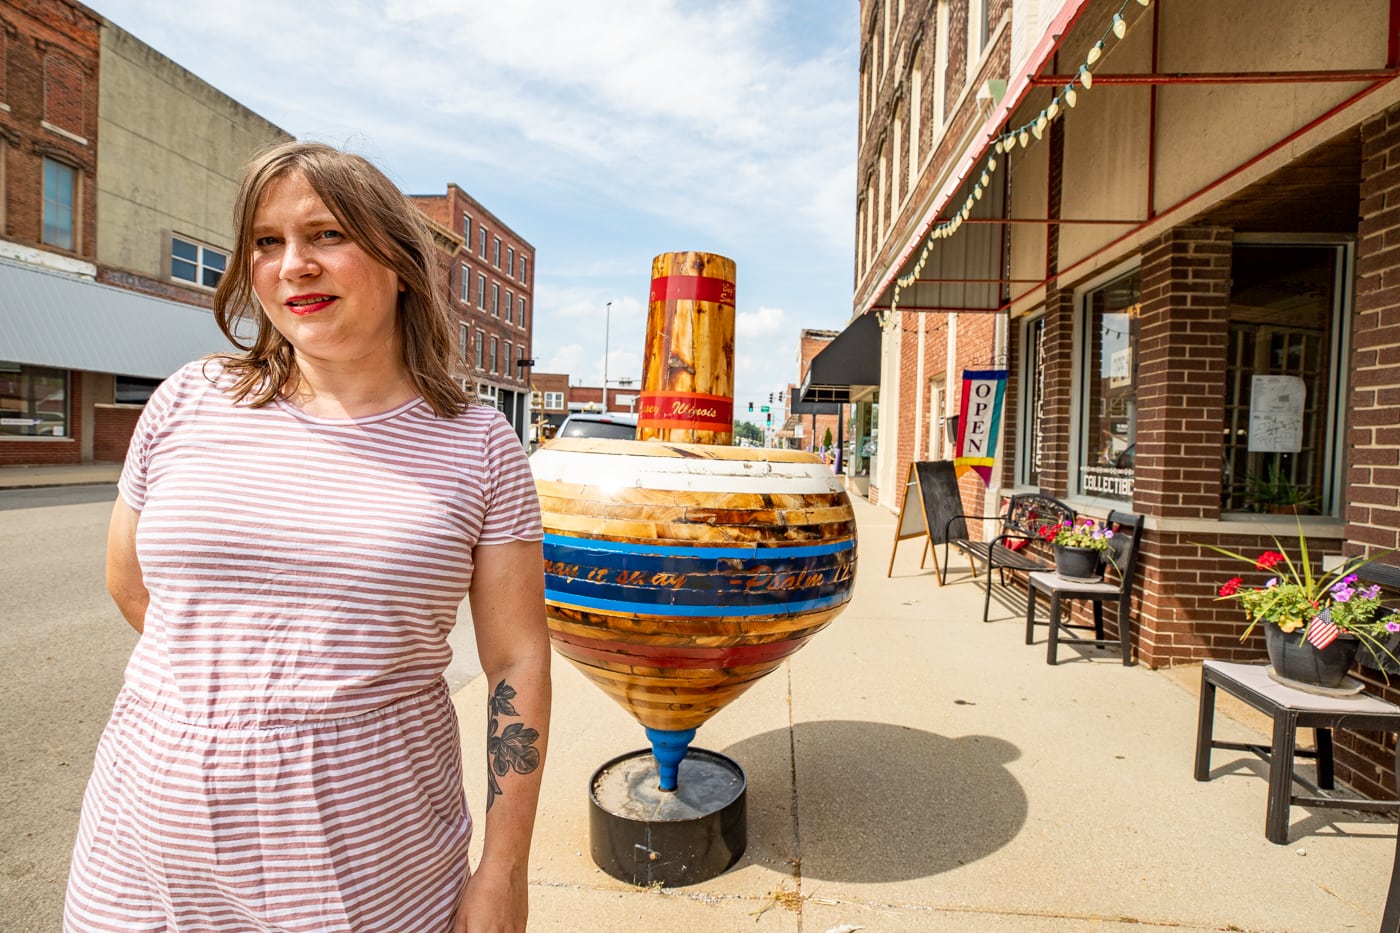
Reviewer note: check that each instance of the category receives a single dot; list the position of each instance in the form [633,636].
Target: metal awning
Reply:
[51,319]
[846,367]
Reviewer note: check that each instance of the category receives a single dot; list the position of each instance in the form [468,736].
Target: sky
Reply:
[604,132]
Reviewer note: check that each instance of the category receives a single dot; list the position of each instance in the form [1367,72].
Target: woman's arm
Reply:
[512,639]
[124,580]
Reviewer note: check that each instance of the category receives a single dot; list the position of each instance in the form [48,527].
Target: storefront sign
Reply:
[980,418]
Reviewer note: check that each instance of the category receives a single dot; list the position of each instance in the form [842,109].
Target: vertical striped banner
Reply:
[983,393]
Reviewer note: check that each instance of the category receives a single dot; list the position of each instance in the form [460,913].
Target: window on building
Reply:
[510,306]
[494,368]
[60,205]
[1034,444]
[464,336]
[523,261]
[1284,384]
[481,292]
[1108,405]
[496,252]
[131,390]
[984,23]
[467,230]
[554,401]
[508,360]
[466,284]
[481,244]
[495,299]
[510,260]
[520,315]
[195,262]
[480,356]
[33,401]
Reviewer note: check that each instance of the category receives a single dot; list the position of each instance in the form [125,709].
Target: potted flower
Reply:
[1080,548]
[1274,492]
[1314,623]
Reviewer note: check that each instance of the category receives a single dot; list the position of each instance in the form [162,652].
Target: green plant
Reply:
[1275,490]
[1319,606]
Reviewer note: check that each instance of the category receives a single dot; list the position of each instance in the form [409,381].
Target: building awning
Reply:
[51,319]
[848,367]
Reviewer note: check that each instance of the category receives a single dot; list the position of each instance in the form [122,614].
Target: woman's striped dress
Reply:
[284,754]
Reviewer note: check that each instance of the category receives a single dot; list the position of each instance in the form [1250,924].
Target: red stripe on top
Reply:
[692,288]
[685,410]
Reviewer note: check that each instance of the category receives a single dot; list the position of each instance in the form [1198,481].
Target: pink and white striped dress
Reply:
[284,754]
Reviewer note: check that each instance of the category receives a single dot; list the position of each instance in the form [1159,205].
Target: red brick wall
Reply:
[112,426]
[1365,760]
[51,71]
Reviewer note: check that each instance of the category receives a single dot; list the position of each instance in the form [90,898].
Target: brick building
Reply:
[119,173]
[1180,247]
[492,287]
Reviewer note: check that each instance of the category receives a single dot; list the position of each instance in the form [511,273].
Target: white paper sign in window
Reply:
[1276,414]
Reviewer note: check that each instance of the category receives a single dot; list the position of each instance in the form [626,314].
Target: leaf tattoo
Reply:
[512,749]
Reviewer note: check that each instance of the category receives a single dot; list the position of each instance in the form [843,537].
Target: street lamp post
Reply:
[607,327]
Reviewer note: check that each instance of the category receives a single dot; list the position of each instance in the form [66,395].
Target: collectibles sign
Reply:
[982,397]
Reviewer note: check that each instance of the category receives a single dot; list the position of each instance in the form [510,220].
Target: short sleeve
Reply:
[512,504]
[132,483]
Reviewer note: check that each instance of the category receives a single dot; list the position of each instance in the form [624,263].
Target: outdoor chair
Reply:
[1012,548]
[1127,529]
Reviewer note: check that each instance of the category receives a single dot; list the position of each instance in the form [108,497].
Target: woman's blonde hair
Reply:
[387,226]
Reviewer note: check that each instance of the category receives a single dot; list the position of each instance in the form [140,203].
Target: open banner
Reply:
[982,396]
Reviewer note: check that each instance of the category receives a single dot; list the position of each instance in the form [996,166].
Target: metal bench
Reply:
[1014,546]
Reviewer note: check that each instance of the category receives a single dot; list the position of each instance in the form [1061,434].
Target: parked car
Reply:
[606,424]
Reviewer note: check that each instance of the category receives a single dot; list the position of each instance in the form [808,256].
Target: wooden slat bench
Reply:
[1014,546]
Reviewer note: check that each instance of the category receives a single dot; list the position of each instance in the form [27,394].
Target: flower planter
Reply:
[1080,564]
[1295,658]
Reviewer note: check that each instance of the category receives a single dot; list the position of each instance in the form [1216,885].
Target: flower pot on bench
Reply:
[1080,564]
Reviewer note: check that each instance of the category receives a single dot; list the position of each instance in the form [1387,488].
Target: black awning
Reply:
[851,361]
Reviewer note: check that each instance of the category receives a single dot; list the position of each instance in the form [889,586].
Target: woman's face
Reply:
[333,302]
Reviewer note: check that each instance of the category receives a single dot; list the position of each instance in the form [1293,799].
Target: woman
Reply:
[296,527]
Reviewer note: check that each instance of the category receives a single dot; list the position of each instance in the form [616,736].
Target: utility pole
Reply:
[607,327]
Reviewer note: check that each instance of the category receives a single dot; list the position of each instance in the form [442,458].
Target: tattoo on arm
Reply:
[514,749]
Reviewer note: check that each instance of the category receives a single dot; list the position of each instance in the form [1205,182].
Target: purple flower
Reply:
[1392,627]
[1370,592]
[1273,582]
[1341,592]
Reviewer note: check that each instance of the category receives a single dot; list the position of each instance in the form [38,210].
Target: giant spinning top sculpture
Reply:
[679,570]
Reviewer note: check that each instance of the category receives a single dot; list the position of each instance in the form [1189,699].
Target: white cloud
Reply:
[604,131]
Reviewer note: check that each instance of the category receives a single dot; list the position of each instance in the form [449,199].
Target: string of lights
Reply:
[1064,99]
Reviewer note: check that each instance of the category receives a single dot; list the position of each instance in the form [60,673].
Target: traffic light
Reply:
[770,398]
[780,396]
[750,406]
[770,417]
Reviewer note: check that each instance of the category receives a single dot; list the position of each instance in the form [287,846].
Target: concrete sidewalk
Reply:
[913,768]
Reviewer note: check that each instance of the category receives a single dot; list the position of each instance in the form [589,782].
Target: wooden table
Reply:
[1290,709]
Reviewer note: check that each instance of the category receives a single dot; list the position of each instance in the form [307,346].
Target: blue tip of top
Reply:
[668,747]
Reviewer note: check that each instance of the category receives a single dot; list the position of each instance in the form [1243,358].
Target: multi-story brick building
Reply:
[119,169]
[492,288]
[1180,247]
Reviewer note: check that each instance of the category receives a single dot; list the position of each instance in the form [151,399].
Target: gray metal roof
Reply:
[51,319]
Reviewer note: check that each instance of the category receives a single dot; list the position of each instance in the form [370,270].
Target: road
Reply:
[63,648]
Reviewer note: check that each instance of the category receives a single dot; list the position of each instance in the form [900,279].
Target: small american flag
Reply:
[1322,631]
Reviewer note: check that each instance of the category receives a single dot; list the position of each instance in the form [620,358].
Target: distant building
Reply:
[491,281]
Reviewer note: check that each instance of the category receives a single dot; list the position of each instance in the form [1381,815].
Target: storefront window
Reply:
[1108,435]
[1282,377]
[33,401]
[1034,443]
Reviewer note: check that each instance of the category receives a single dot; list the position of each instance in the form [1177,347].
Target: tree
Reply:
[744,431]
[826,439]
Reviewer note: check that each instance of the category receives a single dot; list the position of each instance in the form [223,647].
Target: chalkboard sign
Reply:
[934,510]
